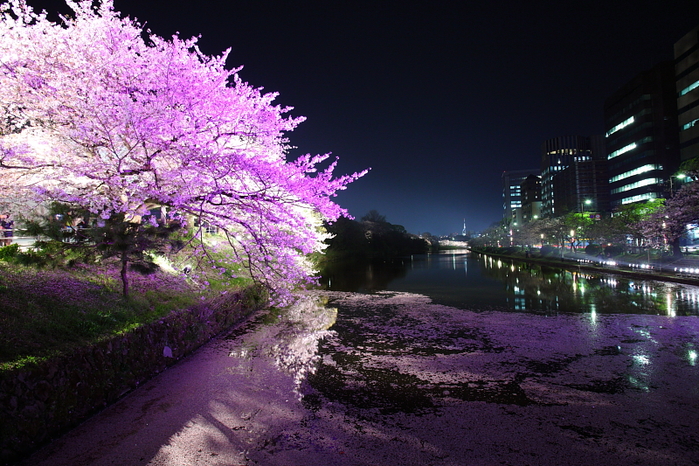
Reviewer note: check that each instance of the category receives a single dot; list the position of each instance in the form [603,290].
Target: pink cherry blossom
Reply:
[100,113]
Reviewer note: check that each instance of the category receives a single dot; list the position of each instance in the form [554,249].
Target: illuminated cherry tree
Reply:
[99,113]
[666,226]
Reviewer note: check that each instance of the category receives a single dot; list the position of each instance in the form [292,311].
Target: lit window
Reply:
[691,124]
[689,88]
[636,171]
[621,125]
[639,198]
[623,150]
[638,184]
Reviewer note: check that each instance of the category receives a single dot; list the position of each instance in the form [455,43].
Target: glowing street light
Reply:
[679,176]
[586,202]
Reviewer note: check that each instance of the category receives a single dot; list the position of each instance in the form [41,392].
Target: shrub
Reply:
[593,250]
[9,252]
[613,250]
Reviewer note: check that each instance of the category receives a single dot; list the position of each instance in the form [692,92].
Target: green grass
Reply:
[44,312]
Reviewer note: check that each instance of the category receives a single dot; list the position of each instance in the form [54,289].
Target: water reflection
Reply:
[287,338]
[459,279]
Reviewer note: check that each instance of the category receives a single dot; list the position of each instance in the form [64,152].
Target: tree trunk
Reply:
[124,276]
[676,249]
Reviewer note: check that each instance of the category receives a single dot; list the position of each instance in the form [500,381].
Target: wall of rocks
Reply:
[42,401]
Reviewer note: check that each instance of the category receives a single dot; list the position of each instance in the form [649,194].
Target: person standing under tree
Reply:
[8,226]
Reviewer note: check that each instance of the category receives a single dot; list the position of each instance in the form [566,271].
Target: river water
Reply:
[435,361]
[476,282]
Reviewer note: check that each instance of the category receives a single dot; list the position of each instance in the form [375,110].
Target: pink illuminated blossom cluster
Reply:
[98,112]
[666,226]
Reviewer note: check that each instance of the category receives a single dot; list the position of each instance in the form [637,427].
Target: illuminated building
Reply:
[512,193]
[531,198]
[582,154]
[687,88]
[642,137]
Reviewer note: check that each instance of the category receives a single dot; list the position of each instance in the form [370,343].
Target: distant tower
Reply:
[463,232]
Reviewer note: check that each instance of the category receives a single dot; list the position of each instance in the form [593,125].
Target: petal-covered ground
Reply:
[397,380]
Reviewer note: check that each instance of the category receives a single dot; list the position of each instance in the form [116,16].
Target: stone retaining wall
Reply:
[42,401]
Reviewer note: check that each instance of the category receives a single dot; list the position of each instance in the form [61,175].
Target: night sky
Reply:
[438,98]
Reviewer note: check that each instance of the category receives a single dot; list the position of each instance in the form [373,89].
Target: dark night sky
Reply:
[437,97]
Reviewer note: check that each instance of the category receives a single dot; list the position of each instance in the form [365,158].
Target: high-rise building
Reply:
[531,198]
[562,189]
[642,136]
[687,88]
[582,187]
[512,193]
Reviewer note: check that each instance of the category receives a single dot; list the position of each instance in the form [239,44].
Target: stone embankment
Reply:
[41,401]
[663,271]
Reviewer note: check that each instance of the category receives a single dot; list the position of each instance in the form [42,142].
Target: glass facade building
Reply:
[687,89]
[569,173]
[512,193]
[642,137]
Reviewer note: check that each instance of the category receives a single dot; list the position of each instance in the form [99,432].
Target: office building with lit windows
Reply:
[642,136]
[687,88]
[582,187]
[512,193]
[569,174]
[531,198]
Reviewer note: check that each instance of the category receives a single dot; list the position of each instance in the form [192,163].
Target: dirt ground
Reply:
[392,379]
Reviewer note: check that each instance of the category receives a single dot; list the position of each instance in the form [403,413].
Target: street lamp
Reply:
[584,203]
[679,176]
[572,238]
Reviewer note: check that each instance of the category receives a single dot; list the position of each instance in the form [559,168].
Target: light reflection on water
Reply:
[459,279]
[288,339]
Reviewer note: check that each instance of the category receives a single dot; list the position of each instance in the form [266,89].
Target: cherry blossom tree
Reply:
[668,224]
[99,113]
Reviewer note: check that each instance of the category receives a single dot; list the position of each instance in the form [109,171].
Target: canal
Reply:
[477,282]
[442,360]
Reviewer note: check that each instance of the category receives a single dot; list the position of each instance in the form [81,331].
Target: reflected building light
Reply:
[499,264]
[593,316]
[692,357]
[671,304]
[641,359]
[638,384]
[512,268]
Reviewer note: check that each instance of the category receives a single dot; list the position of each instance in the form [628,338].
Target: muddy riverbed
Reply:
[393,379]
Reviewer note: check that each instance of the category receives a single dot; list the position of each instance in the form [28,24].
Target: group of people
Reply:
[7,228]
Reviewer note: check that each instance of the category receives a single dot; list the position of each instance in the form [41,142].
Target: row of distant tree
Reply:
[371,238]
[659,223]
